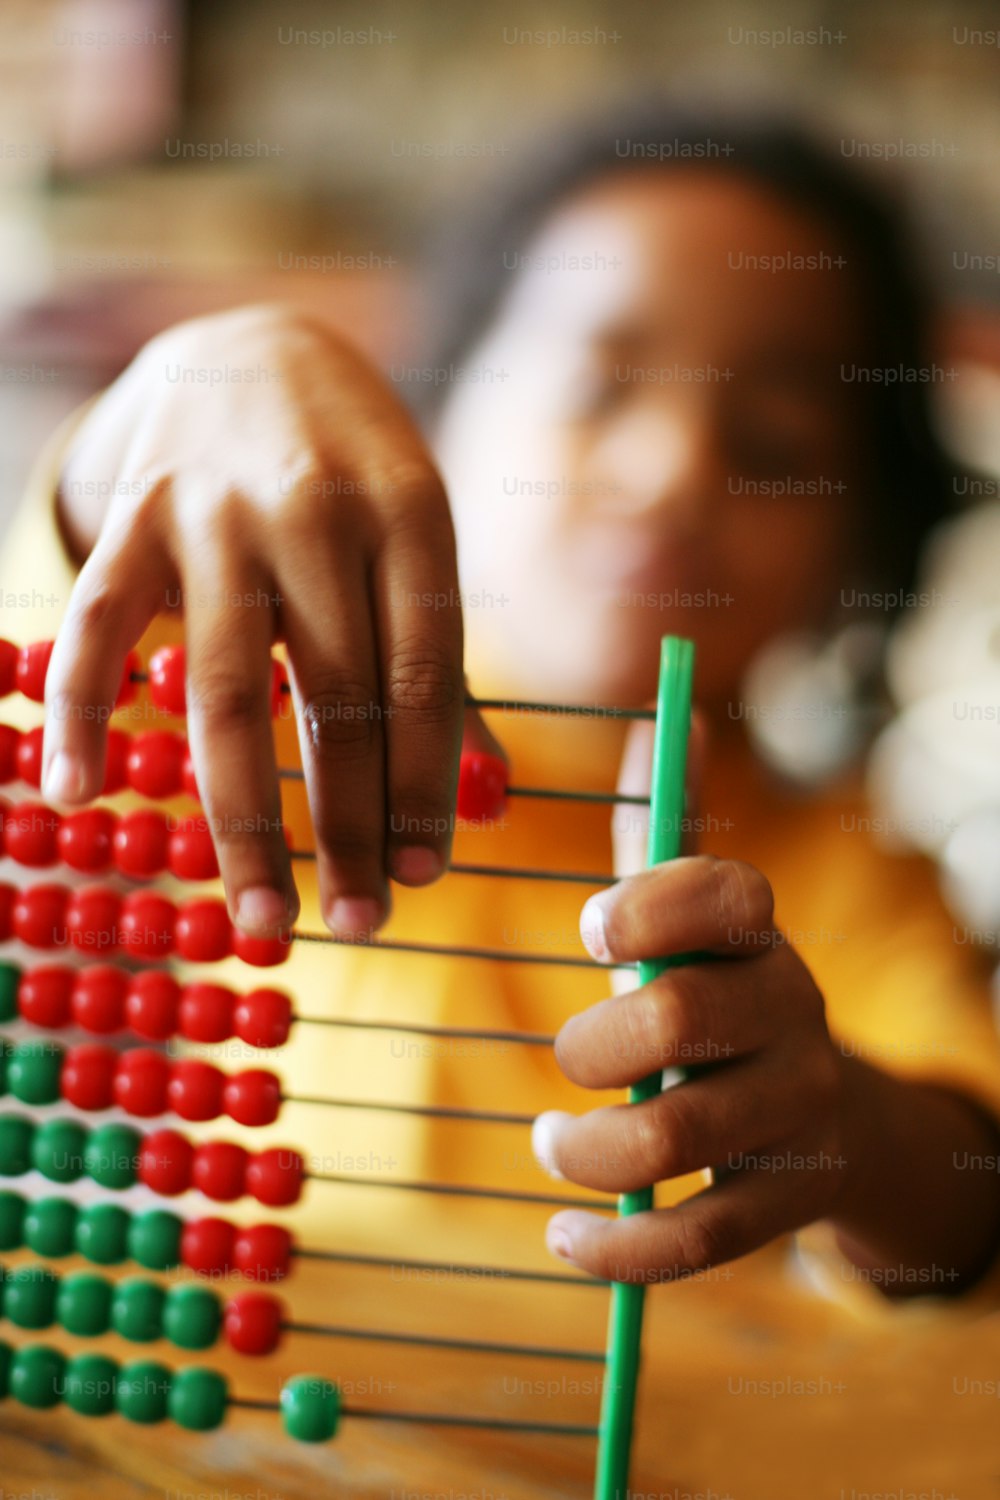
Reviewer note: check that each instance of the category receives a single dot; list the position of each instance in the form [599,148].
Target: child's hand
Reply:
[769,1116]
[296,502]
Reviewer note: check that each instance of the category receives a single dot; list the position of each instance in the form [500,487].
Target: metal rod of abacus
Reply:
[435,1419]
[449,1268]
[439,1341]
[501,872]
[463,1190]
[450,950]
[547,793]
[412,1028]
[428,1111]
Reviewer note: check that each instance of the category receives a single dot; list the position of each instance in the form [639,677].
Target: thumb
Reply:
[629,822]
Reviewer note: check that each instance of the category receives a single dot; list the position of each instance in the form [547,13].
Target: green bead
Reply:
[5,1054]
[29,1297]
[83,1305]
[137,1310]
[57,1150]
[36,1376]
[154,1239]
[10,979]
[89,1385]
[112,1158]
[49,1226]
[16,1136]
[6,1355]
[34,1070]
[143,1391]
[12,1211]
[310,1408]
[198,1399]
[102,1233]
[192,1317]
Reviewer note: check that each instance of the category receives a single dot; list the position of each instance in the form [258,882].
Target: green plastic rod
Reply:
[666,818]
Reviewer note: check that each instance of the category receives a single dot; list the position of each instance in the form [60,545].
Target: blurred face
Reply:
[653,436]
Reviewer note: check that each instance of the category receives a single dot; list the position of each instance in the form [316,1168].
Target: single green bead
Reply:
[83,1305]
[102,1233]
[10,980]
[89,1384]
[310,1408]
[192,1317]
[57,1150]
[49,1226]
[137,1310]
[34,1070]
[12,1211]
[29,1297]
[154,1239]
[16,1136]
[36,1375]
[6,1356]
[198,1399]
[143,1391]
[112,1157]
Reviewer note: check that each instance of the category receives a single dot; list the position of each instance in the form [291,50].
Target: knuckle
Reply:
[742,897]
[646,1147]
[702,1242]
[424,684]
[339,718]
[224,698]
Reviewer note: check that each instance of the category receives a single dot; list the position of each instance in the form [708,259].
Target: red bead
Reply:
[141,1082]
[482,786]
[30,671]
[39,916]
[220,1170]
[84,839]
[188,777]
[263,953]
[166,679]
[44,995]
[128,688]
[98,1001]
[263,1018]
[191,853]
[140,844]
[195,1090]
[166,1162]
[206,1013]
[146,925]
[30,833]
[116,765]
[88,1076]
[252,1097]
[275,1177]
[207,1246]
[29,757]
[10,743]
[152,1004]
[92,915]
[263,1252]
[204,932]
[155,763]
[281,701]
[8,668]
[252,1323]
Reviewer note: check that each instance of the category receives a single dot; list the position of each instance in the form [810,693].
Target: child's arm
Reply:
[264,477]
[799,1131]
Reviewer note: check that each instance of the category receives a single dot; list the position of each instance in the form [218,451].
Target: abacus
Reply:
[145,1081]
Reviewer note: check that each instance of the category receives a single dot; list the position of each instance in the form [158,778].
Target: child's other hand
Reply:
[770,1114]
[296,502]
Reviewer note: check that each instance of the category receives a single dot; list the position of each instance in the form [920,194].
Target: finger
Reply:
[729,1219]
[420,650]
[328,630]
[700,1013]
[705,1122]
[106,615]
[630,824]
[696,903]
[231,736]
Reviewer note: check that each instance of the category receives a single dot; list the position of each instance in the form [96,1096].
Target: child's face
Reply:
[652,436]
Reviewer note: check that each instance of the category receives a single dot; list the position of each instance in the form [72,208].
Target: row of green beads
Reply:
[103,1232]
[64,1151]
[94,1385]
[31,1071]
[88,1305]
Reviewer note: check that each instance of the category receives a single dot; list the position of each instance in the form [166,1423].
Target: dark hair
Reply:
[466,279]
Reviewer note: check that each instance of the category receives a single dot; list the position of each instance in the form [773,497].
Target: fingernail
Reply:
[559,1242]
[416,865]
[592,929]
[544,1134]
[64,779]
[355,916]
[259,909]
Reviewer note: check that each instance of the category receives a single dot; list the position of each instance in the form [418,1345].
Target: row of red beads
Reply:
[138,844]
[146,1083]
